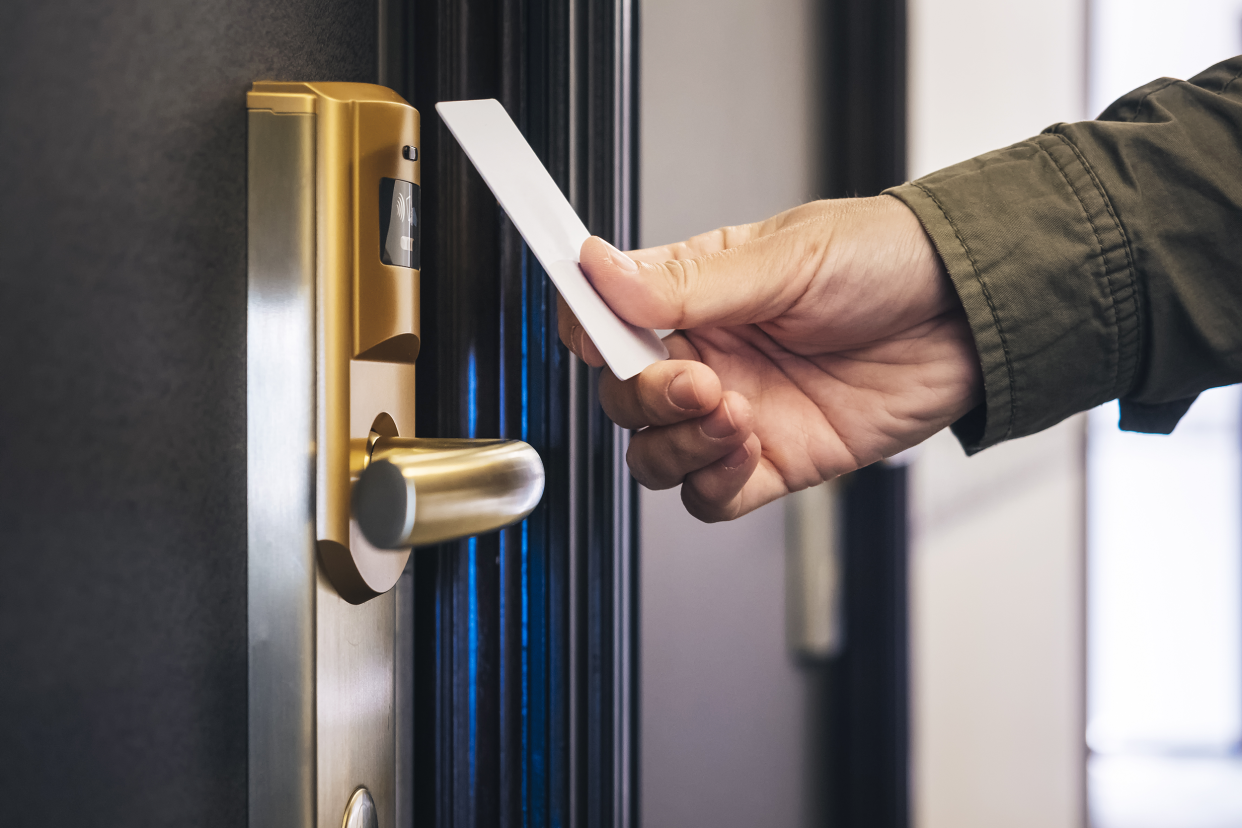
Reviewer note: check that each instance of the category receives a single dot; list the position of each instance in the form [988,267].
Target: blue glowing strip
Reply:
[525,675]
[526,777]
[505,633]
[473,645]
[502,561]
[472,419]
[472,395]
[525,357]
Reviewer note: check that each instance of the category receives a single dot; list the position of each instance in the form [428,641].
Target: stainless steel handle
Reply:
[416,491]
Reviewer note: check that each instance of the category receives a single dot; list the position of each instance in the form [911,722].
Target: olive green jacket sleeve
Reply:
[1100,260]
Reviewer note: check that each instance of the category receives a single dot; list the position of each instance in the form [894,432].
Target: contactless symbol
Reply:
[398,222]
[405,208]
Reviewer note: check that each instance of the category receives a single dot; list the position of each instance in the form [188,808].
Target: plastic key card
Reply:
[549,224]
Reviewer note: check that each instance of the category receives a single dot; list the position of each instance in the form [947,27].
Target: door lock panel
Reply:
[333,333]
[367,250]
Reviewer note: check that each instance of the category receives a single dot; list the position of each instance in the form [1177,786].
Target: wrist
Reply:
[914,249]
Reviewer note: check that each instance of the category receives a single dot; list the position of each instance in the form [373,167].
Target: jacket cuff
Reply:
[1044,271]
[1153,418]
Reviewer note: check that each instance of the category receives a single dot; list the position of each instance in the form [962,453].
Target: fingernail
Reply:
[736,458]
[621,260]
[719,423]
[682,393]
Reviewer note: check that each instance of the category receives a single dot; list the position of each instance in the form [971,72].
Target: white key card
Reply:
[549,224]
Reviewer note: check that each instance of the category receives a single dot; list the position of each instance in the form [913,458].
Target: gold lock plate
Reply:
[367,312]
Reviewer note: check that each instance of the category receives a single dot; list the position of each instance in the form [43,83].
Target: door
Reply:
[123,669]
[123,465]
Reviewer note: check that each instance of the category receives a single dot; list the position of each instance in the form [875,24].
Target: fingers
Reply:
[714,492]
[692,432]
[574,335]
[751,282]
[575,338]
[662,456]
[664,393]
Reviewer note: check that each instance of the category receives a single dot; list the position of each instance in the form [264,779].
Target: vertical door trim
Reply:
[867,685]
[624,504]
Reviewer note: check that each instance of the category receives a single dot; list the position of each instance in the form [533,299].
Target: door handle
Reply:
[415,492]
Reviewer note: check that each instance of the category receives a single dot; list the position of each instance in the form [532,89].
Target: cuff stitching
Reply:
[1138,107]
[987,295]
[1123,382]
[1225,88]
[1099,241]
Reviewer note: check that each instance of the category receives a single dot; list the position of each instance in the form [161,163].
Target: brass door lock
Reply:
[339,487]
[364,184]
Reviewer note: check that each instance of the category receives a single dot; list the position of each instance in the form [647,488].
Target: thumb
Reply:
[751,282]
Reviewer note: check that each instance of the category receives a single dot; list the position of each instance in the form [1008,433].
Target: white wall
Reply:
[1136,41]
[984,74]
[997,632]
[726,138]
[726,113]
[997,569]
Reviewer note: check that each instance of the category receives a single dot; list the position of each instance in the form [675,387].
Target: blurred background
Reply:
[1075,598]
[1047,635]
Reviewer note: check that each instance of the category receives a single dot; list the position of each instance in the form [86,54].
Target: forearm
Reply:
[1101,259]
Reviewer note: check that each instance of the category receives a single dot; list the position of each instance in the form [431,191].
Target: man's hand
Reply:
[808,345]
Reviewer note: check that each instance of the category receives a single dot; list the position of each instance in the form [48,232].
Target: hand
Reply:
[808,345]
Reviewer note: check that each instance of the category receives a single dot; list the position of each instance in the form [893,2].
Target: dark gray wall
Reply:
[122,395]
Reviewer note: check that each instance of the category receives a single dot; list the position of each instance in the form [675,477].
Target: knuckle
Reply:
[701,507]
[647,465]
[615,411]
[734,235]
[651,399]
[617,398]
[804,247]
[682,274]
[685,449]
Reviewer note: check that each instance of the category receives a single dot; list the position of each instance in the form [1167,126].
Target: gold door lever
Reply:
[415,492]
